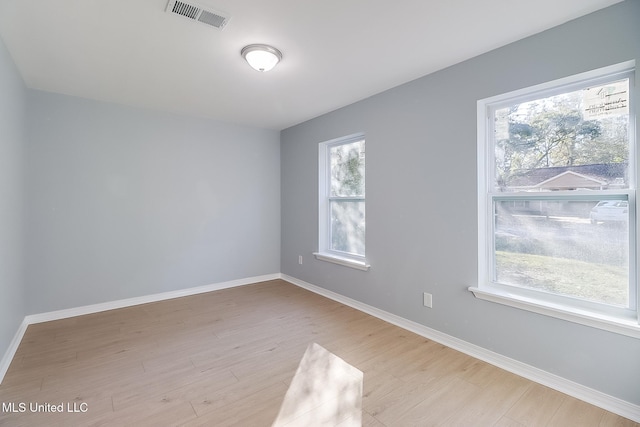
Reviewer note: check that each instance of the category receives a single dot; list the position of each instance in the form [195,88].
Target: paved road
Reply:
[564,236]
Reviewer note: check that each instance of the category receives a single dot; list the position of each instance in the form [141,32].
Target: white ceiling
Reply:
[335,52]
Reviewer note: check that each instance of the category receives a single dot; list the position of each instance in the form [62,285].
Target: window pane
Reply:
[347,169]
[578,249]
[574,140]
[348,226]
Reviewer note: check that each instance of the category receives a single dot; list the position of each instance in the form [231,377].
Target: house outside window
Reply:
[556,198]
[342,220]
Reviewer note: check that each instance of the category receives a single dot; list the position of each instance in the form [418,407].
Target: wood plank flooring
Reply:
[228,358]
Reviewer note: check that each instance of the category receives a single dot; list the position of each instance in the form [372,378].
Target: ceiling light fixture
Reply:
[261,57]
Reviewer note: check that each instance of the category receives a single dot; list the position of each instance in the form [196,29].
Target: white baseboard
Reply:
[96,308]
[112,305]
[563,385]
[11,351]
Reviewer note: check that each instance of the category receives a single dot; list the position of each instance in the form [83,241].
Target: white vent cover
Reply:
[199,13]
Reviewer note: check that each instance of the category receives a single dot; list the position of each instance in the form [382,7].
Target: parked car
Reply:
[610,211]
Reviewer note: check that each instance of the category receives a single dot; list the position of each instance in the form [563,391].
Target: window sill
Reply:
[617,325]
[346,262]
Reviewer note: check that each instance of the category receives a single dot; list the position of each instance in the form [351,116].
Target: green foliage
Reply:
[347,169]
[552,132]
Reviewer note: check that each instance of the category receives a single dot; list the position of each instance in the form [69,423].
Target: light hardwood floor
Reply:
[230,357]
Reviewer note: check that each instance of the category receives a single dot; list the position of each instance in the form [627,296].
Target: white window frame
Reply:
[325,253]
[622,321]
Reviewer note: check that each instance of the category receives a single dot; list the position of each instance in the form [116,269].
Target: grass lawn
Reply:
[591,281]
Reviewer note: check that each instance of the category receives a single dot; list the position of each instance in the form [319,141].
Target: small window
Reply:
[342,221]
[556,194]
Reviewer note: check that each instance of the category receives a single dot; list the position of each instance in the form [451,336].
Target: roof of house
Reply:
[581,176]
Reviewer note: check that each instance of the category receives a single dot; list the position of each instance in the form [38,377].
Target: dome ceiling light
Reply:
[261,57]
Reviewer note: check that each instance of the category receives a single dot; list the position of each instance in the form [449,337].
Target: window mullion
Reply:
[347,198]
[565,195]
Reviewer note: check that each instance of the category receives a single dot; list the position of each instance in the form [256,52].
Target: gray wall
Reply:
[421,202]
[12,115]
[123,202]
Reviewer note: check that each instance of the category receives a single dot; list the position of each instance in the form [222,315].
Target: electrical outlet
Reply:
[427,300]
[300,259]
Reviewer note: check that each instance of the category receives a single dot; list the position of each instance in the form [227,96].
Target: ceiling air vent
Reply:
[196,12]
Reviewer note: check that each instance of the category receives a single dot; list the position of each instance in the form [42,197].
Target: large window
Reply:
[557,205]
[342,201]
